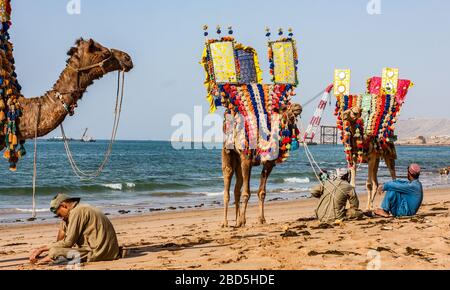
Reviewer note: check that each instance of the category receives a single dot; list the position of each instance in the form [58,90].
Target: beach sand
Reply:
[195,240]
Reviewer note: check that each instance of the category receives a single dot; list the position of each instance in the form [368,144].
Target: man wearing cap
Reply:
[85,233]
[403,197]
[334,194]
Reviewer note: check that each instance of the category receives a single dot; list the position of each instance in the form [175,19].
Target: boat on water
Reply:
[86,138]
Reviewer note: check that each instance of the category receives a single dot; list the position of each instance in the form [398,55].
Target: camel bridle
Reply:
[70,109]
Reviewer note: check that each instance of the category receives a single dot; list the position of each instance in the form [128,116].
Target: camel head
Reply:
[293,112]
[88,53]
[351,115]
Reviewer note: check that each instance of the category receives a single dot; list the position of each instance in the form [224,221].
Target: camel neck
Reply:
[75,83]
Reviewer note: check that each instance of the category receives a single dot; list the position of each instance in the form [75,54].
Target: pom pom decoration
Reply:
[10,108]
[255,113]
[268,33]
[369,119]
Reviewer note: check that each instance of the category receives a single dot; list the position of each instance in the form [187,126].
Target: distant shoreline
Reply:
[423,145]
[143,140]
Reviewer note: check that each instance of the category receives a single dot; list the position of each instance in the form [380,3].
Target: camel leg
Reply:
[227,169]
[238,186]
[390,163]
[353,176]
[268,167]
[246,167]
[372,181]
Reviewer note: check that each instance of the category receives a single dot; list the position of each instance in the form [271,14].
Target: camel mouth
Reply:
[124,59]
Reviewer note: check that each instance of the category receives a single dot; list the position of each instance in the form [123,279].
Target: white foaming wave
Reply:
[213,193]
[115,186]
[25,210]
[297,180]
[130,184]
[301,190]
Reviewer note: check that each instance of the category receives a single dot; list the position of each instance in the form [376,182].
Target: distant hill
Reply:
[411,128]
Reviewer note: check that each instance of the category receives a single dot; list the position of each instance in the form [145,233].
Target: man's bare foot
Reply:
[380,212]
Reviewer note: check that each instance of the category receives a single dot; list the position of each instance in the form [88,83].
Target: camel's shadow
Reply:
[133,251]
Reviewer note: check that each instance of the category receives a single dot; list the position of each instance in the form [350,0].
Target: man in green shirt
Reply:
[85,234]
[334,194]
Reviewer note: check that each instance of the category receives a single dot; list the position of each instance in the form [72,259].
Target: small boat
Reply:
[87,139]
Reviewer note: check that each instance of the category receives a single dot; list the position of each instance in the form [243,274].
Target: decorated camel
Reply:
[26,118]
[367,123]
[259,119]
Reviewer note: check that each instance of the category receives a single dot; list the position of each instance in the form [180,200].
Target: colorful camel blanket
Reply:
[372,118]
[255,120]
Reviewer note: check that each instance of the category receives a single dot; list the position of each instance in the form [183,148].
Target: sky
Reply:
[165,40]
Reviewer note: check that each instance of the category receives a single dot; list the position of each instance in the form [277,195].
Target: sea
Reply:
[153,176]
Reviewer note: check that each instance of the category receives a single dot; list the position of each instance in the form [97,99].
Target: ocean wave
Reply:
[213,193]
[25,210]
[115,186]
[6,211]
[291,190]
[119,186]
[297,180]
[93,188]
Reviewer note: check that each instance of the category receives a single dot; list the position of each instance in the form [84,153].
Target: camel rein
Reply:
[84,175]
[81,174]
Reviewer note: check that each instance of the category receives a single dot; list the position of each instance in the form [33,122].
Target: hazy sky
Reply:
[165,40]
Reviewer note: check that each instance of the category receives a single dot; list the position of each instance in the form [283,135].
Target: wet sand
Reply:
[194,239]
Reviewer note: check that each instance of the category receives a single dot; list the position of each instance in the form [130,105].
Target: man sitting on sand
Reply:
[403,197]
[334,195]
[85,232]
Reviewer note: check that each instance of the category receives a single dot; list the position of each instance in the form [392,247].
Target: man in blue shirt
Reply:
[403,197]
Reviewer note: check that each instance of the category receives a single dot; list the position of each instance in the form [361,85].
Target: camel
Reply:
[263,128]
[372,157]
[235,162]
[59,102]
[371,142]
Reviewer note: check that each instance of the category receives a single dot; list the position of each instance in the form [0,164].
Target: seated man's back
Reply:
[410,196]
[92,232]
[334,195]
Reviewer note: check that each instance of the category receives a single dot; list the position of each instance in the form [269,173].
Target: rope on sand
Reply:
[35,161]
[316,167]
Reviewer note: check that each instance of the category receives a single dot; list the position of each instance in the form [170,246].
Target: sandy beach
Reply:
[290,240]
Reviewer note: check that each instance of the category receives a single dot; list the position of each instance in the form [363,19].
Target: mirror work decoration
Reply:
[234,81]
[367,121]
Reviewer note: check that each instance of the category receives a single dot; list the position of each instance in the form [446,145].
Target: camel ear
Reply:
[91,45]
[72,51]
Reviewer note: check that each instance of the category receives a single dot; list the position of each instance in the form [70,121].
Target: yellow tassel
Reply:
[6,155]
[9,92]
[13,169]
[10,138]
[14,141]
